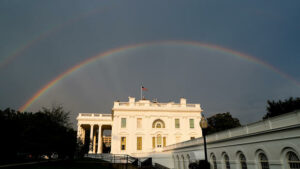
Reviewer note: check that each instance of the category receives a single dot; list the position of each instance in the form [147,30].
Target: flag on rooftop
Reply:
[144,89]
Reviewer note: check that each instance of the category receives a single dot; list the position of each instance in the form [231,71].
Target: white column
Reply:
[79,133]
[94,143]
[91,139]
[99,140]
[83,135]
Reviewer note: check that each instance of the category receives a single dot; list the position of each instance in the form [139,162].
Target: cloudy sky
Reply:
[229,56]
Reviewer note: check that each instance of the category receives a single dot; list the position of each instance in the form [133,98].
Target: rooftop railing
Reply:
[155,105]
[94,115]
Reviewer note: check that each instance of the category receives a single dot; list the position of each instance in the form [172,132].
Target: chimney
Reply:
[183,101]
[131,99]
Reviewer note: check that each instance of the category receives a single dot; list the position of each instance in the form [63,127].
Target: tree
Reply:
[221,121]
[275,108]
[41,133]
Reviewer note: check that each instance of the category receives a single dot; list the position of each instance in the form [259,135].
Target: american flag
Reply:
[144,89]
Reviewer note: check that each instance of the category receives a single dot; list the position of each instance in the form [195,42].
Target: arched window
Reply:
[214,161]
[188,159]
[264,164]
[178,164]
[226,160]
[183,162]
[158,123]
[293,160]
[174,160]
[243,161]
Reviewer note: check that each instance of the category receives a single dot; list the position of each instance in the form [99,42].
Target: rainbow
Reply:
[90,60]
[20,50]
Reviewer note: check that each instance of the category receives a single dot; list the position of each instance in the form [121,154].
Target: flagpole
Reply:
[141,92]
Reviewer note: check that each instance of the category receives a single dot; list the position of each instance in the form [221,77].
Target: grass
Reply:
[75,164]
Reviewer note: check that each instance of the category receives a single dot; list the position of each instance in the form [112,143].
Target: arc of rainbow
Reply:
[44,35]
[130,47]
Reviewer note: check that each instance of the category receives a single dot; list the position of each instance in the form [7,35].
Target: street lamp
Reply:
[203,124]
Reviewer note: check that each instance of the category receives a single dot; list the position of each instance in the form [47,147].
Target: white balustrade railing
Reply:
[93,115]
[151,104]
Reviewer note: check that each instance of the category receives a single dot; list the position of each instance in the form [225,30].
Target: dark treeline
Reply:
[220,122]
[31,135]
[275,108]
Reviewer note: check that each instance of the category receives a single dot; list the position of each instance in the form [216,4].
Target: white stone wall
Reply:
[274,137]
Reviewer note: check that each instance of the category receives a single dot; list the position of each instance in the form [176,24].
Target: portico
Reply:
[90,130]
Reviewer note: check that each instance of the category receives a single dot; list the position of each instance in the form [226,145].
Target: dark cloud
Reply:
[50,37]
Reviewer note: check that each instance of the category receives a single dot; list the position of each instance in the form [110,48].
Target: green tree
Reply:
[221,121]
[275,108]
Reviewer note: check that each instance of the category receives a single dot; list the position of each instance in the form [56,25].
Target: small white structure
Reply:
[141,127]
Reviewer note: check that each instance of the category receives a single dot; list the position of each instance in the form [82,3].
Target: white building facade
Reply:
[141,127]
[270,144]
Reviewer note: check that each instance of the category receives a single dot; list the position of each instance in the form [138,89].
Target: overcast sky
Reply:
[39,40]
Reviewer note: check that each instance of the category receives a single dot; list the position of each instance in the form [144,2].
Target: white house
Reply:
[140,127]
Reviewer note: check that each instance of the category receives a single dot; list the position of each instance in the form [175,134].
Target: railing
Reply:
[121,159]
[151,104]
[159,166]
[106,115]
[93,115]
[113,158]
[86,114]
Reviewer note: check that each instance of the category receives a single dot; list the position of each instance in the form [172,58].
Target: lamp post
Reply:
[203,124]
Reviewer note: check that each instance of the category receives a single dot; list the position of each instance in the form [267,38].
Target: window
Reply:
[159,140]
[264,164]
[188,159]
[293,160]
[139,122]
[139,143]
[191,123]
[192,138]
[183,162]
[226,160]
[123,122]
[153,142]
[178,165]
[214,161]
[243,161]
[177,124]
[123,143]
[158,124]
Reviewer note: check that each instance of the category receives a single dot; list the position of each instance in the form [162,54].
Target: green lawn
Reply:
[76,164]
